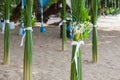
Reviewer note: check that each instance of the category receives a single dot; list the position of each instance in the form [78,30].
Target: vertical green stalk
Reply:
[74,74]
[94,45]
[64,25]
[95,36]
[112,3]
[7,33]
[119,4]
[79,15]
[105,3]
[27,72]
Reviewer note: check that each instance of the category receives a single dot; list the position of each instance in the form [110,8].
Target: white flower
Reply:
[78,28]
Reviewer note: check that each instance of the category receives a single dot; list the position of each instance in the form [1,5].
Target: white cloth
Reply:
[68,3]
[3,28]
[78,44]
[95,26]
[23,37]
[7,21]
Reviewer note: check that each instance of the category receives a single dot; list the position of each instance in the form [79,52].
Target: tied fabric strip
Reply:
[78,44]
[3,28]
[22,4]
[95,26]
[7,21]
[23,37]
[61,23]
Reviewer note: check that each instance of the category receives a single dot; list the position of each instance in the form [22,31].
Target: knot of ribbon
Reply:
[95,26]
[7,21]
[23,37]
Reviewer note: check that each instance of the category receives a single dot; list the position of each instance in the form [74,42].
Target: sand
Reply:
[51,63]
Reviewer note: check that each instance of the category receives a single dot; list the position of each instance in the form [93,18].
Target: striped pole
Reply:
[42,28]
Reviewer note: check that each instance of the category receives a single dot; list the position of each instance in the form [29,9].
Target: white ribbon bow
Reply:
[78,44]
[23,37]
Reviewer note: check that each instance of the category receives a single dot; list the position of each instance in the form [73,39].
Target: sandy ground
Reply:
[51,63]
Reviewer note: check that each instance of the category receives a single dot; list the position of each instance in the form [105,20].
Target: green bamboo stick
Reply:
[95,36]
[105,3]
[7,33]
[64,25]
[27,72]
[74,74]
[119,4]
[94,45]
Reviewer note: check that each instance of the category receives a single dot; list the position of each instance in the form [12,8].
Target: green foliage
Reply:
[13,4]
[23,20]
[112,10]
[107,11]
[79,12]
[80,20]
[81,30]
[33,19]
[22,15]
[2,8]
[117,11]
[51,2]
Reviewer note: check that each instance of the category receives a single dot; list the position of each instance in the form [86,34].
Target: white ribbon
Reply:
[23,37]
[3,28]
[68,3]
[7,21]
[22,4]
[95,26]
[78,44]
[61,23]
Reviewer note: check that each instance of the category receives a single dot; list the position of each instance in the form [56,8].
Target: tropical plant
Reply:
[81,31]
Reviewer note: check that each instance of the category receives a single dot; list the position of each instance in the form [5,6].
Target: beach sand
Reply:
[51,63]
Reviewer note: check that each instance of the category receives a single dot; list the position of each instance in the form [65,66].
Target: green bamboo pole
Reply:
[64,25]
[112,3]
[27,72]
[105,3]
[7,33]
[95,36]
[119,4]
